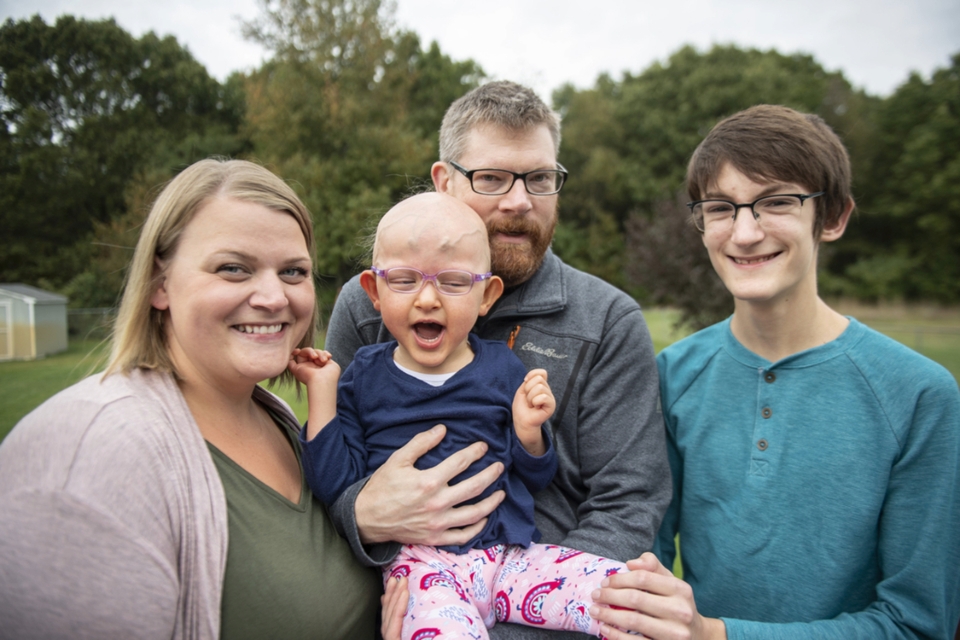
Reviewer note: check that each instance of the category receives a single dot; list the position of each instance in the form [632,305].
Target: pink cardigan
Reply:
[113,520]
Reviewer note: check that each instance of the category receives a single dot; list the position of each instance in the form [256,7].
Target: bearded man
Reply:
[498,153]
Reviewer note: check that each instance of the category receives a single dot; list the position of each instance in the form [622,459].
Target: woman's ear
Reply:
[835,230]
[159,299]
[491,293]
[368,280]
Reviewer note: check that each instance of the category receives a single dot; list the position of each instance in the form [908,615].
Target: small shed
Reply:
[33,322]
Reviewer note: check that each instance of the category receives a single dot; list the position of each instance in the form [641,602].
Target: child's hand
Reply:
[393,606]
[317,370]
[313,365]
[533,404]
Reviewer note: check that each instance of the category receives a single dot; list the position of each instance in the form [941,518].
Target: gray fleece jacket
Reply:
[613,484]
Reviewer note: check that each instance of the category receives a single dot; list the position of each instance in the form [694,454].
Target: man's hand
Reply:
[650,600]
[533,404]
[410,506]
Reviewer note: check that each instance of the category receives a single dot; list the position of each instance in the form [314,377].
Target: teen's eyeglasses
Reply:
[451,282]
[718,216]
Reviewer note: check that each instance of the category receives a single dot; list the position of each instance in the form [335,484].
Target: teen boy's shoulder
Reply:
[898,375]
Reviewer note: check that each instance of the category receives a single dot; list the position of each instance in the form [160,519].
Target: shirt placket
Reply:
[766,442]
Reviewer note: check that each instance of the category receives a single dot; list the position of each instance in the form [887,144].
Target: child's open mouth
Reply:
[428,331]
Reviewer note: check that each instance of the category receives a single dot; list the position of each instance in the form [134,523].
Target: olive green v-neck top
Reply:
[289,574]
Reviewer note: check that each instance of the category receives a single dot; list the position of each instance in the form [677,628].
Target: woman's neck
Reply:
[241,429]
[222,413]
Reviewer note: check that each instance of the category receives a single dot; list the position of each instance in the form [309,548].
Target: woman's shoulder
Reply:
[277,407]
[119,423]
[97,467]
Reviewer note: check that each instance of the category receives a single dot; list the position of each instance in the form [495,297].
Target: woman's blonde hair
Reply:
[138,337]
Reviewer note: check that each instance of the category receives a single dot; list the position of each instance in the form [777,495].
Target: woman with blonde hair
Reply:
[164,498]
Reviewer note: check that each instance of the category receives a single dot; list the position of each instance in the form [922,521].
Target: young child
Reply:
[430,280]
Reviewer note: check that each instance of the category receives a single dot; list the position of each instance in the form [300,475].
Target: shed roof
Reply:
[39,296]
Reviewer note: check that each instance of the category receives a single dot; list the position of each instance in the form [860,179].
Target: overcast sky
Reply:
[545,43]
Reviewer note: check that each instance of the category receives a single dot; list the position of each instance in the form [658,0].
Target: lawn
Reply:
[26,384]
[935,332]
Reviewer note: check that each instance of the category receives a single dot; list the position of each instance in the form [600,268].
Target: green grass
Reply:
[289,394]
[26,384]
[932,331]
[663,330]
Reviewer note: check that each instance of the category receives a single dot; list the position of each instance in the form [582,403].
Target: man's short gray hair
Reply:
[503,104]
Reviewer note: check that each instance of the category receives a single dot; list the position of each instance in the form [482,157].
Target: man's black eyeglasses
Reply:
[496,182]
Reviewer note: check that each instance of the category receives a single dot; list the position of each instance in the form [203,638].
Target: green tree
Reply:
[668,257]
[85,107]
[590,233]
[627,145]
[908,231]
[348,108]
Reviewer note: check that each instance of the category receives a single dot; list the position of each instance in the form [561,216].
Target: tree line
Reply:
[347,108]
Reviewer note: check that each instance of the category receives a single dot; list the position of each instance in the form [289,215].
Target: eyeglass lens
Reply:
[494,182]
[450,282]
[720,213]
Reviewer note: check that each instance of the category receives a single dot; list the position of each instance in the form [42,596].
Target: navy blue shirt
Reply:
[380,408]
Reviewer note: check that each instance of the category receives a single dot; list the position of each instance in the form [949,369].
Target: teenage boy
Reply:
[815,461]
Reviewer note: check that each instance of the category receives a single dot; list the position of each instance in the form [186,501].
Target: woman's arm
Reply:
[69,570]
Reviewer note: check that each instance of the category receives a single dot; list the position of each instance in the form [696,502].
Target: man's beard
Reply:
[516,263]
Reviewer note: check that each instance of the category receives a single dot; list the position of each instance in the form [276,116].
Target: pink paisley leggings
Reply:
[461,596]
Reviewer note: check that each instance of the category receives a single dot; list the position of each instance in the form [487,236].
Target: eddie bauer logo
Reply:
[550,353]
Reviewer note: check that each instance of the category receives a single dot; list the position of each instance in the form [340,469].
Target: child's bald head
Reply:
[433,222]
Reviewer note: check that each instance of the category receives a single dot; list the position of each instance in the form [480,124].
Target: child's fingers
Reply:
[535,389]
[320,357]
[536,373]
[308,354]
[543,401]
[302,355]
[536,379]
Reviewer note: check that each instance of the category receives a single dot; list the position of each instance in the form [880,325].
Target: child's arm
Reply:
[334,448]
[533,404]
[316,370]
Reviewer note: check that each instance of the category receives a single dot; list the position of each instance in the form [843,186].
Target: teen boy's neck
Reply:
[775,332]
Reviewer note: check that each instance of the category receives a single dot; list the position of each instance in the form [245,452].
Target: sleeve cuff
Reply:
[343,514]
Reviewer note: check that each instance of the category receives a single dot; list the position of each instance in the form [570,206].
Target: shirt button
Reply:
[766,412]
[762,445]
[770,377]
